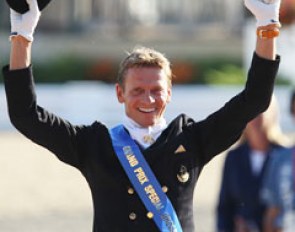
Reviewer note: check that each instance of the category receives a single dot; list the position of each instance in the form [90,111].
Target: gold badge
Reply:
[180,149]
[183,175]
[148,139]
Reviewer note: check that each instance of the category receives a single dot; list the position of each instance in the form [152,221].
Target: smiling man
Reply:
[144,88]
[143,172]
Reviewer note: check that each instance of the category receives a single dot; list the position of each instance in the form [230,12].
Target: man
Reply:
[175,152]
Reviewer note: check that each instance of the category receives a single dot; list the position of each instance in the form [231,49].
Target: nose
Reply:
[149,98]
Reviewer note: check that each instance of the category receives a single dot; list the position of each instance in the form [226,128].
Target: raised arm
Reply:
[20,54]
[266,48]
[35,122]
[22,30]
[266,13]
[227,124]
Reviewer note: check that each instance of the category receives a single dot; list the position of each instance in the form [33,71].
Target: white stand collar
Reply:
[145,136]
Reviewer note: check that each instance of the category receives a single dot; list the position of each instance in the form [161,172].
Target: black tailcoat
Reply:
[89,148]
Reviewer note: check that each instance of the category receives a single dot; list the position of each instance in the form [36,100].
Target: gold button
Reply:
[150,215]
[130,191]
[132,216]
[165,189]
[183,175]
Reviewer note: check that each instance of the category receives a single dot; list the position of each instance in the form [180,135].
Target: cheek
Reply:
[163,100]
[132,101]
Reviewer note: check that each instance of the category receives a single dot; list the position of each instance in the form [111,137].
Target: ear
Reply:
[120,93]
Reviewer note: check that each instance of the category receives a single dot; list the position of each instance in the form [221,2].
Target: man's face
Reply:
[145,94]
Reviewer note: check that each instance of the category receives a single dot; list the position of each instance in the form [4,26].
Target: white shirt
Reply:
[257,159]
[145,136]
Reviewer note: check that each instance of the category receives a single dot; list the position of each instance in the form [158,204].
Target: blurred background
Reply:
[92,36]
[78,46]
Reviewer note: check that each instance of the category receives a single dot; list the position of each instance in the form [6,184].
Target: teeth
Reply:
[147,110]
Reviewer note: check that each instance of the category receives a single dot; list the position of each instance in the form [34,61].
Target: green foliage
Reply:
[60,70]
[282,80]
[71,68]
[212,71]
[228,74]
[218,70]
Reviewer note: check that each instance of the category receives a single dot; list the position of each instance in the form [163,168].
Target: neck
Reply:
[139,133]
[127,120]
[260,145]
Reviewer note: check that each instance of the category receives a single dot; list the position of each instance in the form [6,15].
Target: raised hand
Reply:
[266,12]
[25,24]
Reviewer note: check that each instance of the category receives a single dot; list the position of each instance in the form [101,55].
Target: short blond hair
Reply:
[144,57]
[271,125]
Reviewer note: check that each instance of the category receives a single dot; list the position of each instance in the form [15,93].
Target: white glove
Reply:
[265,11]
[25,24]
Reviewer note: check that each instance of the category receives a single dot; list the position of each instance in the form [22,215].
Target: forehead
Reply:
[145,75]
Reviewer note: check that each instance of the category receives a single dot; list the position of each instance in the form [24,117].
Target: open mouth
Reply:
[147,110]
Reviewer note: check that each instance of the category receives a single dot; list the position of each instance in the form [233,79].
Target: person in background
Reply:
[240,208]
[278,192]
[292,104]
[142,174]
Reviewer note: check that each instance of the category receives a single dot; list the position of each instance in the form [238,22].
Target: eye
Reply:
[136,92]
[158,91]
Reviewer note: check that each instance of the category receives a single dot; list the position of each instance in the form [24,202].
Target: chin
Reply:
[146,121]
[147,124]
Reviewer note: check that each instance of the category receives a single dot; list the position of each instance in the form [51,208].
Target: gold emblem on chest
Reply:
[148,139]
[180,149]
[183,175]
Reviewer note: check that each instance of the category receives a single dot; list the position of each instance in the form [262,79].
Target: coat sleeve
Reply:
[42,127]
[224,127]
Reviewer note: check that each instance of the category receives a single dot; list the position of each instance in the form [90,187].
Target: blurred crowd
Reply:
[258,184]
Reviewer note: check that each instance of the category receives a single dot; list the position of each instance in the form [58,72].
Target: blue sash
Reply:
[144,181]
